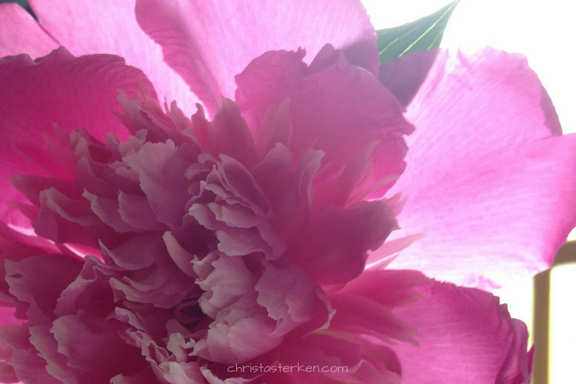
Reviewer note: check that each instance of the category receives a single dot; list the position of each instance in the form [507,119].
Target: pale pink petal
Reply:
[20,33]
[111,27]
[241,332]
[161,168]
[290,296]
[488,183]
[201,45]
[181,257]
[161,287]
[229,281]
[58,89]
[464,336]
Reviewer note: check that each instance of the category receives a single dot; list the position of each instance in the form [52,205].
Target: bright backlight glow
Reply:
[544,32]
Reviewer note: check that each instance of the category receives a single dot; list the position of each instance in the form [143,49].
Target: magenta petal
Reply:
[240,333]
[111,27]
[334,107]
[356,314]
[464,336]
[289,296]
[200,45]
[58,89]
[38,281]
[93,345]
[487,182]
[30,368]
[20,33]
[333,249]
[17,246]
[161,167]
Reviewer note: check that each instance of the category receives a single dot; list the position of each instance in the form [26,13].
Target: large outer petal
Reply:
[20,33]
[488,182]
[464,337]
[208,42]
[110,27]
[58,89]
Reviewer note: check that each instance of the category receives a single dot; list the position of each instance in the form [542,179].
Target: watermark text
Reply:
[261,368]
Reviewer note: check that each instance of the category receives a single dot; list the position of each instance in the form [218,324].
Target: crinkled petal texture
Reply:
[489,180]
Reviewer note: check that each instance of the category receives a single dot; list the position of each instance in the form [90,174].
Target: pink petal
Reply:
[359,315]
[201,45]
[404,77]
[20,33]
[94,346]
[7,316]
[231,136]
[31,368]
[290,296]
[16,246]
[464,336]
[240,333]
[111,27]
[333,249]
[161,287]
[288,187]
[487,181]
[229,281]
[147,378]
[38,281]
[321,350]
[161,168]
[389,288]
[59,89]
[334,107]
[137,253]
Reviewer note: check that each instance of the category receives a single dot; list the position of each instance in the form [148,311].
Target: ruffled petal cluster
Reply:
[193,261]
[244,240]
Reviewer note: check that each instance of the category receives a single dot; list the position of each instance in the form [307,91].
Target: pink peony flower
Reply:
[141,245]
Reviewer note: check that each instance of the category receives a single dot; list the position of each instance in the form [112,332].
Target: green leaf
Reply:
[420,35]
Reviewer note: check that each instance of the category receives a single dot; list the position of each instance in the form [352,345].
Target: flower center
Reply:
[188,312]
